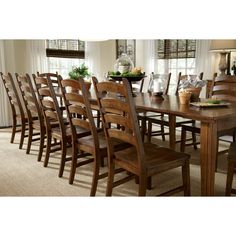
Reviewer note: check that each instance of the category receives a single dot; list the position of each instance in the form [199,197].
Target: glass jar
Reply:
[123,64]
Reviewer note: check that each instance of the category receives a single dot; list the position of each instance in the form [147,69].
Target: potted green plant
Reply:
[81,71]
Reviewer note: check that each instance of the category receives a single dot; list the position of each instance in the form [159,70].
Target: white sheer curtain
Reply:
[149,60]
[36,59]
[5,114]
[93,58]
[204,59]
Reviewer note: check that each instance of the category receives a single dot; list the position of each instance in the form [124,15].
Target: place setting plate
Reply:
[210,103]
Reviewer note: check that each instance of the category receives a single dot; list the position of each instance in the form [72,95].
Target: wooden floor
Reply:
[22,175]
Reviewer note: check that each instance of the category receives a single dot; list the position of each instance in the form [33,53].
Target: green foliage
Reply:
[80,71]
[214,101]
[125,74]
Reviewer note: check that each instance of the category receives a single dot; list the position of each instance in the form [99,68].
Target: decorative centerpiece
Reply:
[192,85]
[83,72]
[135,74]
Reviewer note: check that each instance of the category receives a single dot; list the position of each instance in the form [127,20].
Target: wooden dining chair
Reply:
[231,170]
[92,148]
[142,159]
[184,77]
[19,116]
[224,88]
[34,113]
[144,116]
[58,131]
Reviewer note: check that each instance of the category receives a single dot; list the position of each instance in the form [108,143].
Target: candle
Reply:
[156,86]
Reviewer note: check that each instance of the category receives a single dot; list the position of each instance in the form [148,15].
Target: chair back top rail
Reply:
[224,87]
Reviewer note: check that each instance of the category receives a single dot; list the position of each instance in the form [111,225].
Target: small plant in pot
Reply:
[83,72]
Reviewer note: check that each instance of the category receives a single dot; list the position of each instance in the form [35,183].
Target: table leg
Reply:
[208,155]
[172,126]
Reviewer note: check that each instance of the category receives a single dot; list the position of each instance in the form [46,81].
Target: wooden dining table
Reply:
[212,119]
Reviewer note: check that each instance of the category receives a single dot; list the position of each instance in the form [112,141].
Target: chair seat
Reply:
[196,128]
[165,120]
[143,114]
[87,144]
[56,132]
[157,158]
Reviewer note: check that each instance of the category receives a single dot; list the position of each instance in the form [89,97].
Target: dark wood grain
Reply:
[212,120]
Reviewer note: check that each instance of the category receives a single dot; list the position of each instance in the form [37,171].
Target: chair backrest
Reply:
[224,87]
[184,77]
[13,95]
[164,81]
[29,97]
[49,103]
[117,109]
[78,107]
[53,77]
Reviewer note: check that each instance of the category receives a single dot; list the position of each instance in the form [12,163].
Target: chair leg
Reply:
[149,133]
[142,185]
[229,180]
[42,137]
[186,178]
[102,163]
[13,129]
[149,182]
[163,133]
[163,130]
[73,165]
[63,158]
[111,172]
[30,135]
[96,167]
[22,136]
[183,139]
[217,148]
[194,140]
[143,128]
[48,149]
[98,119]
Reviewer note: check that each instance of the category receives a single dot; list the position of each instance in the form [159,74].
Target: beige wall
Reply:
[107,55]
[20,56]
[15,51]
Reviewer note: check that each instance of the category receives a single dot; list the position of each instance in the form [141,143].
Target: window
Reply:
[176,56]
[126,46]
[63,54]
